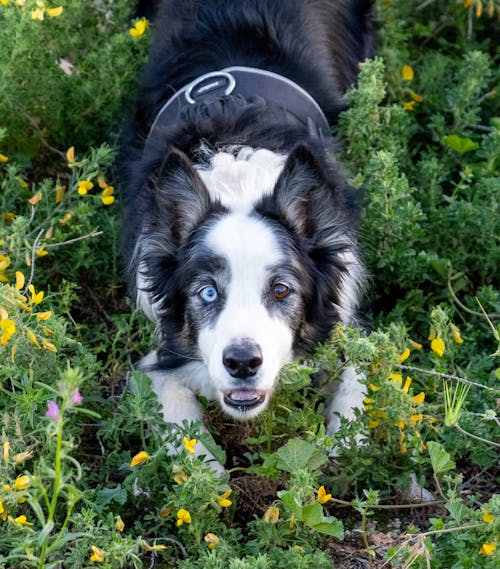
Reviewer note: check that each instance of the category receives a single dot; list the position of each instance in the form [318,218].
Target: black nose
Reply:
[242,359]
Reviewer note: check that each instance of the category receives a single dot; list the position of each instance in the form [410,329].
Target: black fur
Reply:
[316,43]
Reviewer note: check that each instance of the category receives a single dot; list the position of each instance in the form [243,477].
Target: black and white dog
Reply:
[240,231]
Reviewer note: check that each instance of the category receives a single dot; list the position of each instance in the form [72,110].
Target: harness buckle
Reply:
[208,84]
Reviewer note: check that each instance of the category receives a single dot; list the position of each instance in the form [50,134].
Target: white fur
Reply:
[251,249]
[239,181]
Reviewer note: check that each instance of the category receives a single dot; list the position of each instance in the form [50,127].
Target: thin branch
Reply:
[446,376]
[33,258]
[485,441]
[69,241]
[391,506]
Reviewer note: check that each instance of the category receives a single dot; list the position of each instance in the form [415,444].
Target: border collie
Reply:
[239,228]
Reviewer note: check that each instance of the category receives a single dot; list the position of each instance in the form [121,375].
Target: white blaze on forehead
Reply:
[239,181]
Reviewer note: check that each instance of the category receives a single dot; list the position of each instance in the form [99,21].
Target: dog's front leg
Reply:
[178,400]
[347,396]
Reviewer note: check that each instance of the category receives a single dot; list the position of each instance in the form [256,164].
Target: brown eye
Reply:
[280,291]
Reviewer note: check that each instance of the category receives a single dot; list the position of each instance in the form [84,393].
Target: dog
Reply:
[239,227]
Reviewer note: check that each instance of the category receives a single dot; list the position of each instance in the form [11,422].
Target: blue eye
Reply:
[208,294]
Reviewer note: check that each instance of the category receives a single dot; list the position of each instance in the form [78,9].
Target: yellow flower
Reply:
[43,315]
[97,555]
[419,398]
[55,12]
[165,512]
[154,547]
[189,444]
[70,154]
[139,458]
[3,158]
[438,346]
[107,196]
[456,334]
[23,521]
[8,327]
[405,355]
[396,377]
[6,451]
[417,98]
[19,280]
[139,28]
[33,339]
[415,345]
[373,424]
[66,219]
[416,418]
[36,297]
[407,384]
[487,517]
[48,345]
[487,549]
[467,3]
[272,515]
[407,73]
[4,262]
[212,540]
[223,500]
[84,186]
[36,198]
[409,105]
[22,482]
[373,387]
[37,14]
[323,497]
[120,526]
[401,423]
[183,517]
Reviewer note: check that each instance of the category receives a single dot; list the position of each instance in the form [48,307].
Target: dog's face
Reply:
[243,287]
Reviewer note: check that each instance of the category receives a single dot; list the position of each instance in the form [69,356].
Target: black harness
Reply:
[245,81]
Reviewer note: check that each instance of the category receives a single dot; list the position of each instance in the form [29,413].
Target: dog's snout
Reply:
[242,360]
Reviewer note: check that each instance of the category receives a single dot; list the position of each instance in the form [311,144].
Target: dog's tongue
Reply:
[243,395]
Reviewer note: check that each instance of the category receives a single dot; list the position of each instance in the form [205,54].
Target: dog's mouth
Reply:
[244,399]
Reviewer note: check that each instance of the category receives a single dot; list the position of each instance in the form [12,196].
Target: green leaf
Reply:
[290,500]
[213,448]
[298,454]
[331,526]
[140,385]
[440,459]
[107,495]
[460,144]
[312,514]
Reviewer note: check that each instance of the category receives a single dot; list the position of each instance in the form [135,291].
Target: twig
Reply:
[424,5]
[69,241]
[33,258]
[446,376]
[486,441]
[42,139]
[392,506]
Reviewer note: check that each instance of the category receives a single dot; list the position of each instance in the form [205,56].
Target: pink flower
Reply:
[52,411]
[77,398]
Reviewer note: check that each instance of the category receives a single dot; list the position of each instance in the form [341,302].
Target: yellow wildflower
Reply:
[21,457]
[97,554]
[154,547]
[373,424]
[48,345]
[456,334]
[60,193]
[139,28]
[22,520]
[438,346]
[139,458]
[416,97]
[3,158]
[84,186]
[107,196]
[36,198]
[19,280]
[396,377]
[487,517]
[37,14]
[165,512]
[367,400]
[212,540]
[323,497]
[36,297]
[8,328]
[405,355]
[4,315]
[416,418]
[272,515]
[22,482]
[3,511]
[467,3]
[183,517]
[4,262]
[66,219]
[102,182]
[120,526]
[223,500]
[419,398]
[373,387]
[70,154]
[189,444]
[33,339]
[43,315]
[487,549]
[479,9]
[180,476]
[407,73]
[415,345]
[407,384]
[401,423]
[409,105]
[380,414]
[6,451]
[55,12]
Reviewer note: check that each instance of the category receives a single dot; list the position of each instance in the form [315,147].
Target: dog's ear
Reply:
[181,197]
[301,194]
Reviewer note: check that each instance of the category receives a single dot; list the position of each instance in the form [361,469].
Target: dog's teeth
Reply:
[243,395]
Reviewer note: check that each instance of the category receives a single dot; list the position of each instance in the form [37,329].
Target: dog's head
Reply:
[241,282]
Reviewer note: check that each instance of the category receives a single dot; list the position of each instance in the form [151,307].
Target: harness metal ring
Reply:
[214,74]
